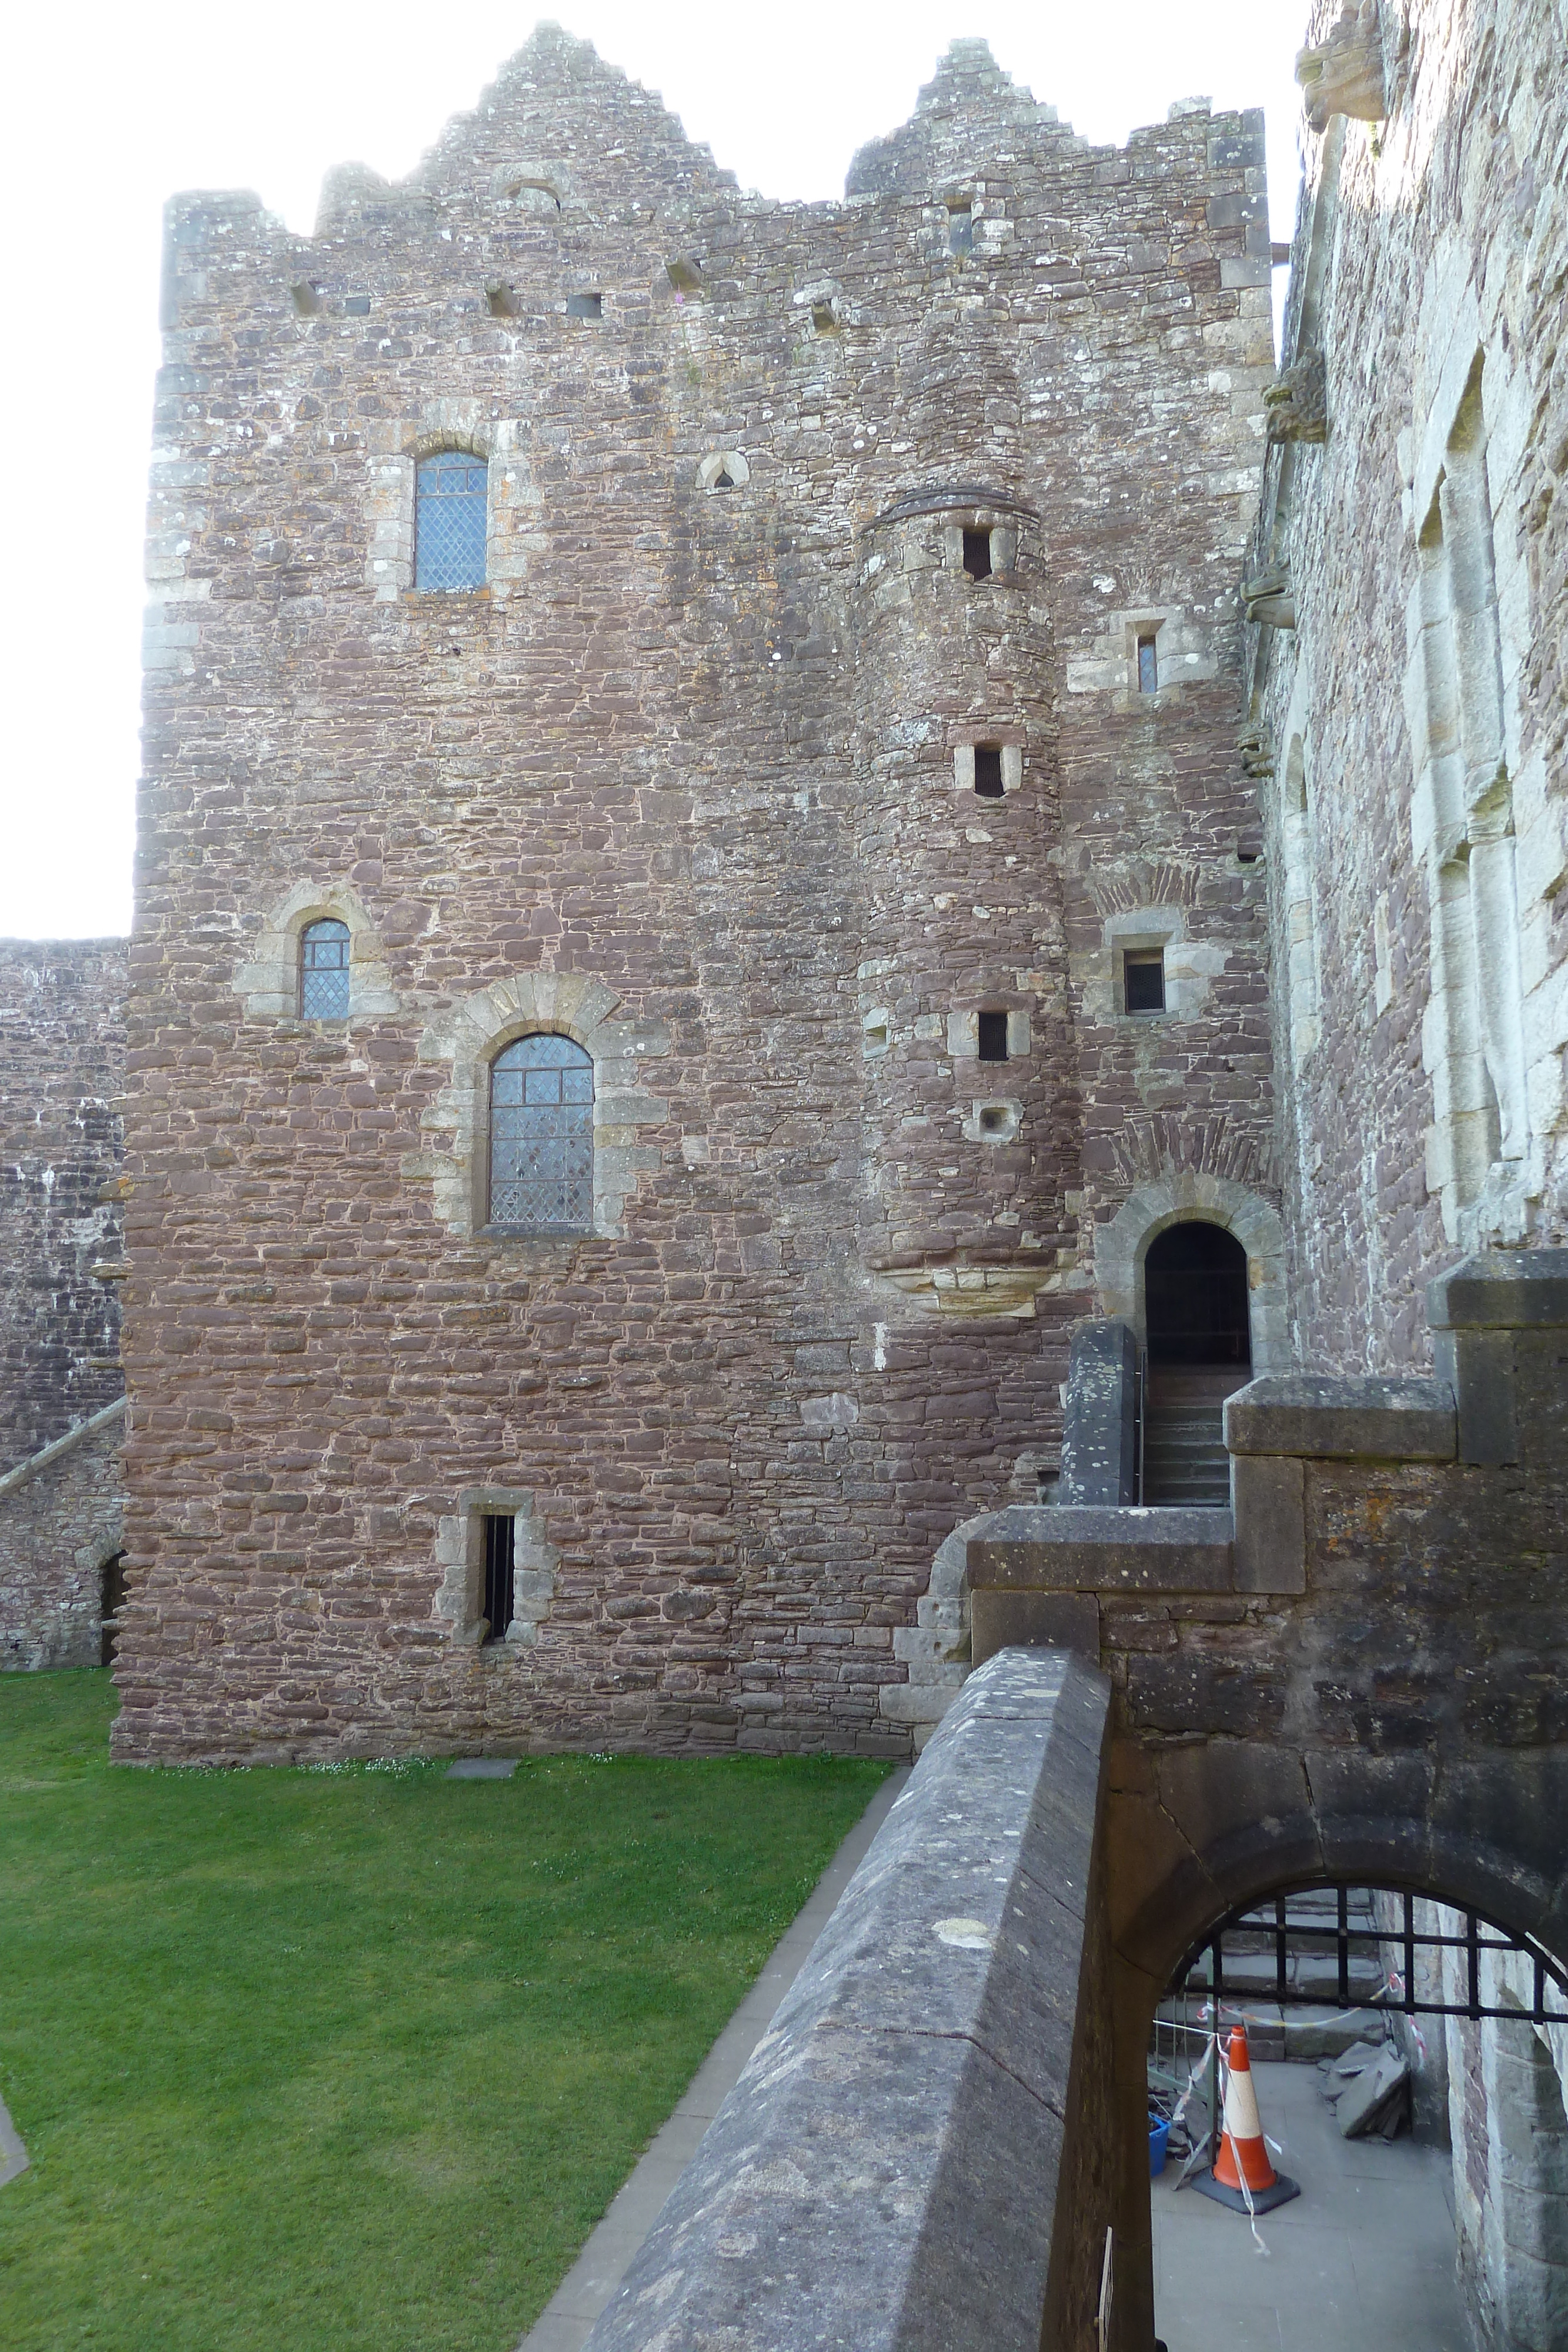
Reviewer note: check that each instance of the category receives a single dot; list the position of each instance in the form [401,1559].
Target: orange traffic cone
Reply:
[1242,2177]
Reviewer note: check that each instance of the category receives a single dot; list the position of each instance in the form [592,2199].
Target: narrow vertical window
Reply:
[960,228]
[977,554]
[993,1038]
[450,499]
[988,770]
[541,1136]
[324,972]
[1148,667]
[1144,980]
[500,1560]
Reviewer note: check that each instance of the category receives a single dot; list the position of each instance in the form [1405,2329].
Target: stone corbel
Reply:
[1346,74]
[1257,752]
[1270,599]
[1298,402]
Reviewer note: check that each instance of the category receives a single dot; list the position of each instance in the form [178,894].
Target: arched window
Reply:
[541,1136]
[324,971]
[450,501]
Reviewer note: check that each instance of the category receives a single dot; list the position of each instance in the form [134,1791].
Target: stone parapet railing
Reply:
[920,2155]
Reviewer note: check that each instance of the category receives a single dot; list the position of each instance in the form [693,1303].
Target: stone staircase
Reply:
[1184,1461]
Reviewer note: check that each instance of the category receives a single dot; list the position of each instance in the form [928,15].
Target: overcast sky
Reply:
[111,109]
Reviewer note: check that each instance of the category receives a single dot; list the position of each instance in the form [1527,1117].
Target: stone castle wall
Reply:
[688,780]
[62,1069]
[1414,712]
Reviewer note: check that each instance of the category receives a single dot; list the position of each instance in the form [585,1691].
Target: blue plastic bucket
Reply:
[1159,2133]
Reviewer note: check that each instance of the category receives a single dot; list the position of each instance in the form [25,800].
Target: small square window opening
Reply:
[585,306]
[500,1555]
[357,306]
[1144,980]
[992,1120]
[993,1036]
[977,554]
[824,318]
[1148,667]
[988,770]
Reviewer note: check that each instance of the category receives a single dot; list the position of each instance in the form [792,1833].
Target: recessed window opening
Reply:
[500,1558]
[585,306]
[960,228]
[357,306]
[450,502]
[1148,667]
[723,479]
[306,298]
[993,1118]
[988,770]
[541,1136]
[324,971]
[1144,980]
[993,1036]
[111,1594]
[502,302]
[977,554]
[824,318]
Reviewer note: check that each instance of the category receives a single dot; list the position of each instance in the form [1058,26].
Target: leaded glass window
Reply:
[541,1136]
[324,972]
[449,521]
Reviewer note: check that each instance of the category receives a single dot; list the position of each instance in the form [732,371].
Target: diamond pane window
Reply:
[449,521]
[324,972]
[541,1136]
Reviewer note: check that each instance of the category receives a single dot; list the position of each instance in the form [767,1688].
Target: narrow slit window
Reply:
[450,501]
[541,1136]
[988,770]
[1144,980]
[500,1560]
[1148,667]
[960,229]
[977,554]
[993,1036]
[324,972]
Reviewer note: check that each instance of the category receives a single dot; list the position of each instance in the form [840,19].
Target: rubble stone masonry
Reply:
[1409,672]
[691,780]
[62,1067]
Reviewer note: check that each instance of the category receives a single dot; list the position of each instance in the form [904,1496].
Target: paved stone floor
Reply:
[1361,2261]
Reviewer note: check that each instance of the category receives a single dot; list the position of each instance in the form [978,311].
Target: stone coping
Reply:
[1502,1290]
[1091,1547]
[884,2174]
[1325,1418]
[21,1471]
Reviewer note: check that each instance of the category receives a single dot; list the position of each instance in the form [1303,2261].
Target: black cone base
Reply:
[1263,2200]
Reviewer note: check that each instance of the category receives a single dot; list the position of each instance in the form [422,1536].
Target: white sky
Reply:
[111,107]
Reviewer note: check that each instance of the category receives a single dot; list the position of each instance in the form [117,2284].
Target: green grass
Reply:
[355,2056]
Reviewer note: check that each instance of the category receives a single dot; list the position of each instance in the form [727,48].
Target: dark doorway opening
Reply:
[1195,1295]
[111,1592]
[1200,1351]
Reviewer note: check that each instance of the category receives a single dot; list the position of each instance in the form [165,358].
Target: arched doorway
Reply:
[1369,2009]
[1199,1349]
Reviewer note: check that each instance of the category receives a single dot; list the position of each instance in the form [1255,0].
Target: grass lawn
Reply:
[355,2056]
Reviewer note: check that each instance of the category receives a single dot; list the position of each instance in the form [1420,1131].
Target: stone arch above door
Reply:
[1121,1245]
